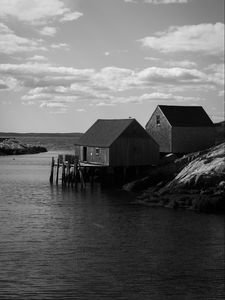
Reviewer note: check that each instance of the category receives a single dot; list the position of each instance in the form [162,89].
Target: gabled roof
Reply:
[186,116]
[104,132]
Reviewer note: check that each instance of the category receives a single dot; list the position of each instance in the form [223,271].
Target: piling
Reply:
[57,172]
[63,174]
[52,171]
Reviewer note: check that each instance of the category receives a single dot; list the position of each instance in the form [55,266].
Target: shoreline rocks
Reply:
[9,146]
[195,182]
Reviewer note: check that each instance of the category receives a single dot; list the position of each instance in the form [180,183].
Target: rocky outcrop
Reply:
[195,181]
[14,147]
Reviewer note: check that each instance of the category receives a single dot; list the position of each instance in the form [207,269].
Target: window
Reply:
[158,120]
[97,151]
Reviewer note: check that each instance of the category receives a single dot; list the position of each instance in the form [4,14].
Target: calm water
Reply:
[96,244]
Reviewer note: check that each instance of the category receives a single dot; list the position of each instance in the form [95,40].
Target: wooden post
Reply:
[63,173]
[75,173]
[68,173]
[81,178]
[52,171]
[76,164]
[57,172]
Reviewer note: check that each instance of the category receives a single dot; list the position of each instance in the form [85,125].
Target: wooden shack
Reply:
[117,143]
[181,129]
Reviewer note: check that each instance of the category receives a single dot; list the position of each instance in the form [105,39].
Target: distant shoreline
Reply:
[30,134]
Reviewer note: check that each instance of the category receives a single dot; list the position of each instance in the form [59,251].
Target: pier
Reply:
[71,171]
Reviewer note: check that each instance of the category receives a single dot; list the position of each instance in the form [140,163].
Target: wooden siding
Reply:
[162,133]
[134,148]
[102,158]
[191,139]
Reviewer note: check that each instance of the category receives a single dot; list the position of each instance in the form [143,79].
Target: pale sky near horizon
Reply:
[66,63]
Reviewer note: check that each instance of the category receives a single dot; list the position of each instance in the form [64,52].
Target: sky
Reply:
[66,63]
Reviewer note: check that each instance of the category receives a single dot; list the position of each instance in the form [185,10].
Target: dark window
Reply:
[158,120]
[97,151]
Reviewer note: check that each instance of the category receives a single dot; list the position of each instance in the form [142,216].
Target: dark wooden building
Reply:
[181,129]
[117,142]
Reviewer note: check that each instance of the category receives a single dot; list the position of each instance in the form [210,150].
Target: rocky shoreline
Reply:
[14,147]
[195,182]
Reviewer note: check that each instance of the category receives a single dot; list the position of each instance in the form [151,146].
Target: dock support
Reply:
[52,171]
[74,179]
[81,178]
[63,174]
[57,172]
[68,173]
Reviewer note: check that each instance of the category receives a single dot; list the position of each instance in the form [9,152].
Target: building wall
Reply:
[102,158]
[191,139]
[162,133]
[134,148]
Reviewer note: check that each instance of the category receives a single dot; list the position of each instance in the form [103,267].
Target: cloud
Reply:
[60,46]
[37,11]
[181,63]
[49,31]
[131,1]
[172,63]
[71,16]
[44,83]
[11,43]
[9,83]
[53,104]
[37,58]
[166,1]
[205,38]
[163,96]
[3,85]
[159,1]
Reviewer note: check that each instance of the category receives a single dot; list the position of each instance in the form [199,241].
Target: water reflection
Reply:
[94,244]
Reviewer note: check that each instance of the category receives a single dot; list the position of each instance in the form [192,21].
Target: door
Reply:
[84,153]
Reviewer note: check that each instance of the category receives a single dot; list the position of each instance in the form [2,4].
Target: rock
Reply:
[221,185]
[14,147]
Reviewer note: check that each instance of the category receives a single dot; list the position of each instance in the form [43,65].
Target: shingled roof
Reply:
[186,116]
[104,132]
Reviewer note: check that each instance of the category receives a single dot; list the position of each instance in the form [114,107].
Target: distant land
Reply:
[32,134]
[51,141]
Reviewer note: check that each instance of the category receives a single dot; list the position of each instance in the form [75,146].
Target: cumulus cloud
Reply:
[181,63]
[11,43]
[51,84]
[60,46]
[37,11]
[172,63]
[205,38]
[163,96]
[37,58]
[71,16]
[47,30]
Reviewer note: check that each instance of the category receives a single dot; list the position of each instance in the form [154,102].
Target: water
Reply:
[96,244]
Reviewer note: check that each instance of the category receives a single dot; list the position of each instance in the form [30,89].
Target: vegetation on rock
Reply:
[14,147]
